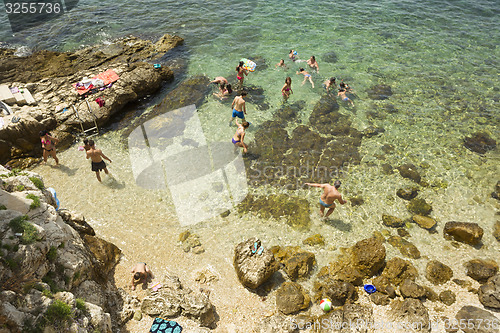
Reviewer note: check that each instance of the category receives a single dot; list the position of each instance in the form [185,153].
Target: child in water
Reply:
[286,91]
[306,76]
[330,84]
[281,64]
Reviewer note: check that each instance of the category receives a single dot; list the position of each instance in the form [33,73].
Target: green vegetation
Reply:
[80,305]
[47,293]
[11,263]
[37,182]
[20,224]
[76,276]
[2,207]
[48,279]
[61,246]
[58,312]
[20,188]
[52,254]
[36,201]
[12,173]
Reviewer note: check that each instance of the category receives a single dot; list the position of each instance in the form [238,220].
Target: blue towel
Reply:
[165,326]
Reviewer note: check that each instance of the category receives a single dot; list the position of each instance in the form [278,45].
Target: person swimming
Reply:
[292,55]
[342,94]
[306,76]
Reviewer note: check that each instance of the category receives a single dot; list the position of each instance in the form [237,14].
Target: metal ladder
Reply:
[87,132]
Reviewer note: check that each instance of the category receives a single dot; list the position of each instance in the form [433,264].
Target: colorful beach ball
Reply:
[325,304]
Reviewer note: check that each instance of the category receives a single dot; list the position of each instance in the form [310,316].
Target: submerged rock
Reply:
[330,57]
[317,239]
[424,222]
[297,262]
[496,194]
[481,270]
[372,131]
[496,230]
[392,221]
[489,293]
[339,292]
[419,207]
[407,193]
[437,272]
[397,270]
[380,92]
[294,209]
[291,298]
[410,171]
[253,269]
[480,142]
[464,232]
[406,248]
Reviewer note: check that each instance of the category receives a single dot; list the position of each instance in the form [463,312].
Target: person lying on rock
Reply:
[142,274]
[327,199]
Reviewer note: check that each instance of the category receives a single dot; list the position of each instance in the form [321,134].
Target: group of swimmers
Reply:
[238,107]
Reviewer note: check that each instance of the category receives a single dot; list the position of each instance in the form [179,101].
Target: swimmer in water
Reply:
[306,76]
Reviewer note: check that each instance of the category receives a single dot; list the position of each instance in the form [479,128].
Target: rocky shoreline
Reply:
[65,266]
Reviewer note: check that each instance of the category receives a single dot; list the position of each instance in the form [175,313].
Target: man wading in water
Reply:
[327,199]
[97,163]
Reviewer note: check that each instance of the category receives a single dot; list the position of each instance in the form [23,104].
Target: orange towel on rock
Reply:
[108,77]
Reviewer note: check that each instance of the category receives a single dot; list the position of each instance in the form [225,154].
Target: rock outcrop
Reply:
[46,263]
[291,298]
[437,272]
[475,315]
[50,76]
[296,262]
[174,300]
[481,270]
[489,293]
[253,268]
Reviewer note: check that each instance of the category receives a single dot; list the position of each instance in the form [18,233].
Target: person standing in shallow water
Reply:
[327,199]
[48,146]
[239,107]
[97,163]
[286,91]
[241,73]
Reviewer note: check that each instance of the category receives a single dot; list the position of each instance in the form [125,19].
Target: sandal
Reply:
[261,249]
[255,246]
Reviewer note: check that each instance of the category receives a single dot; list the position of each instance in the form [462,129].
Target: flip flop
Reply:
[255,246]
[15,119]
[261,249]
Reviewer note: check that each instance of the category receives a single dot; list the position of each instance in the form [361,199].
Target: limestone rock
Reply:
[380,298]
[397,270]
[372,131]
[438,273]
[472,314]
[291,298]
[317,239]
[464,232]
[424,222]
[410,289]
[339,292]
[489,293]
[479,142]
[297,262]
[419,207]
[406,248]
[383,285]
[174,299]
[253,269]
[411,310]
[279,323]
[481,270]
[77,222]
[368,256]
[496,194]
[392,221]
[409,171]
[496,230]
[447,297]
[407,193]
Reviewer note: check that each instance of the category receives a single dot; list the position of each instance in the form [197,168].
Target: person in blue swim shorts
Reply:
[342,94]
[238,107]
[327,199]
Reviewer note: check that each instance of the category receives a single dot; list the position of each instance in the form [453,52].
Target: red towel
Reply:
[108,77]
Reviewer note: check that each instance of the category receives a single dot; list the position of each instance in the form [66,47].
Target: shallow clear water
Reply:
[441,60]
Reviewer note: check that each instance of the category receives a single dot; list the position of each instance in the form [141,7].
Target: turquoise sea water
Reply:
[441,59]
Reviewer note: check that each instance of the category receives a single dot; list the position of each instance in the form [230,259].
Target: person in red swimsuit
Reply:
[241,73]
[286,91]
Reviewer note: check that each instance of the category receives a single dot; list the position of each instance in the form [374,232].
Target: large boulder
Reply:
[397,270]
[478,320]
[413,312]
[368,256]
[174,299]
[410,289]
[481,270]
[339,292]
[296,262]
[465,232]
[479,142]
[437,272]
[253,269]
[489,293]
[291,298]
